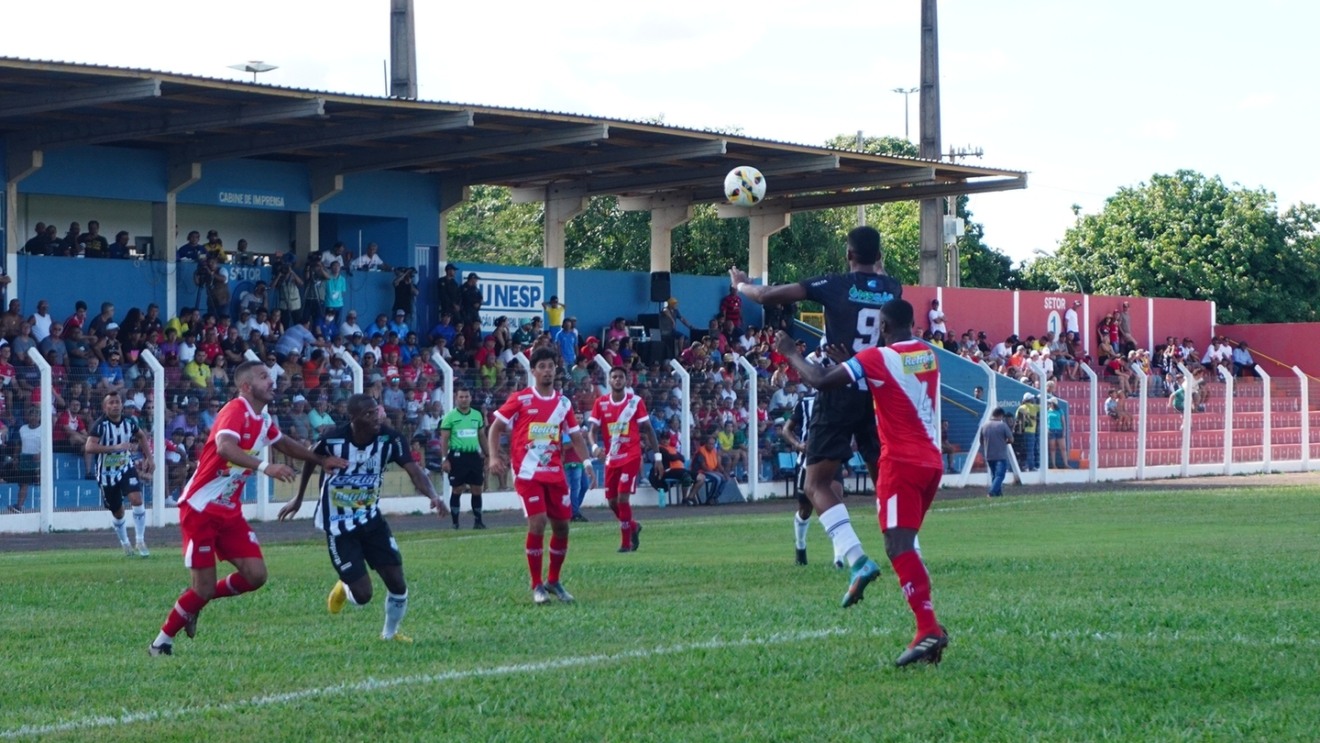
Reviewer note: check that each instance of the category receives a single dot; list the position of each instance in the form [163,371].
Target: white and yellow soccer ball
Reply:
[744,186]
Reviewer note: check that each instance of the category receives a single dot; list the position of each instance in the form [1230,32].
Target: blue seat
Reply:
[786,468]
[68,467]
[89,494]
[66,495]
[8,494]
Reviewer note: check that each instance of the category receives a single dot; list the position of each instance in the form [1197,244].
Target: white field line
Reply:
[373,684]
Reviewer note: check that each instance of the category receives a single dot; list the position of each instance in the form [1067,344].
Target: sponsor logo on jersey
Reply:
[916,362]
[367,480]
[862,296]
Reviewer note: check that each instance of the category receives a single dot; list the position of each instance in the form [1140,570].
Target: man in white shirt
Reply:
[1070,321]
[936,317]
[370,260]
[748,340]
[350,325]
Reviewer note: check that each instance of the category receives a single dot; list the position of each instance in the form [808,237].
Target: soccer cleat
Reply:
[929,649]
[190,629]
[540,595]
[636,536]
[15,509]
[160,649]
[479,525]
[801,558]
[621,550]
[559,591]
[142,550]
[338,597]
[838,563]
[398,638]
[578,518]
[864,572]
[128,549]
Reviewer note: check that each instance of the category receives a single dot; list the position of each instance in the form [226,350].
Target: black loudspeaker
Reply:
[660,286]
[652,352]
[649,320]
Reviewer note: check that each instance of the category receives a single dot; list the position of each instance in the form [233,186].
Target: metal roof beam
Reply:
[553,166]
[886,195]
[844,181]
[689,177]
[20,105]
[421,156]
[128,127]
[251,145]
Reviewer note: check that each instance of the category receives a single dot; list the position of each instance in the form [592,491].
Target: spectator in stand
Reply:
[70,428]
[1071,324]
[589,349]
[242,257]
[37,245]
[191,250]
[69,243]
[1058,443]
[706,463]
[1244,365]
[671,338]
[731,308]
[371,260]
[287,285]
[215,247]
[447,294]
[554,311]
[567,341]
[254,299]
[405,291]
[336,292]
[212,278]
[1027,419]
[1123,322]
[399,326]
[336,254]
[41,321]
[1114,409]
[996,440]
[92,243]
[936,319]
[469,300]
[120,247]
[293,344]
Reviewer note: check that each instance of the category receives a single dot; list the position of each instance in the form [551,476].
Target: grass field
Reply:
[1158,615]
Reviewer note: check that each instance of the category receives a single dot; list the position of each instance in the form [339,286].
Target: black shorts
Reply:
[801,481]
[371,544]
[113,496]
[840,418]
[466,468]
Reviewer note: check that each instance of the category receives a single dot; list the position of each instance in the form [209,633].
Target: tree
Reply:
[1192,237]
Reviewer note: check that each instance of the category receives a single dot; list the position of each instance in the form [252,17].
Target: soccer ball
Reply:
[744,186]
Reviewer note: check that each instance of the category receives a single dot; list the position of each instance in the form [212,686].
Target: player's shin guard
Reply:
[232,585]
[535,547]
[188,606]
[839,527]
[395,607]
[915,582]
[140,523]
[558,551]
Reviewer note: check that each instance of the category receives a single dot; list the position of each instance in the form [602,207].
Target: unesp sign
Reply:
[516,296]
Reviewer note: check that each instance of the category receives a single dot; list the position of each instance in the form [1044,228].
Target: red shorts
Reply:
[549,498]
[904,493]
[209,536]
[622,479]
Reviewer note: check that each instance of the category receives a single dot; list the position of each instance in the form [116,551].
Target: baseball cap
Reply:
[399,313]
[673,302]
[593,339]
[450,267]
[299,398]
[112,326]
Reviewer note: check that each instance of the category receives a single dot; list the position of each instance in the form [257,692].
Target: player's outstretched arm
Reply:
[288,510]
[424,487]
[775,294]
[495,462]
[298,450]
[816,376]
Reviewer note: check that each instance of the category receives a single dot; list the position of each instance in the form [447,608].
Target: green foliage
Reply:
[1185,235]
[1142,614]
[490,228]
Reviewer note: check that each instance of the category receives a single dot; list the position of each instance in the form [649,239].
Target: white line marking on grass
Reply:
[373,684]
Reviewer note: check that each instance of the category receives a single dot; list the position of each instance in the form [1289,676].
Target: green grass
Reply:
[1118,616]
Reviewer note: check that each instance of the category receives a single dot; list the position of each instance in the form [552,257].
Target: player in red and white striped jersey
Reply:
[623,420]
[904,379]
[210,509]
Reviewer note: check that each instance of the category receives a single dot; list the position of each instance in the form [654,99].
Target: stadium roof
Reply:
[48,105]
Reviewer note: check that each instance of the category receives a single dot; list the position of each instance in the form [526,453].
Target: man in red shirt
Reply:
[731,308]
[904,379]
[623,420]
[539,416]
[210,508]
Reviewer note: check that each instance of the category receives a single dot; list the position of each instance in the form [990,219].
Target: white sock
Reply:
[395,607]
[163,639]
[839,527]
[121,529]
[800,531]
[351,598]
[140,523]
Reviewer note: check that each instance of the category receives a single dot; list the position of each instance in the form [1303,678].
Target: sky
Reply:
[1087,97]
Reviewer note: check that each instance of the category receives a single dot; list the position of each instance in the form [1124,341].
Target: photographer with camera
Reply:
[211,277]
[288,288]
[405,290]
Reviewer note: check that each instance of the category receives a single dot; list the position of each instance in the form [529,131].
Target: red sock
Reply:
[558,551]
[188,606]
[232,585]
[625,523]
[915,582]
[613,503]
[535,543]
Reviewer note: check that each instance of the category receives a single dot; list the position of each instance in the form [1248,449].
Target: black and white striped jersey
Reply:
[350,498]
[802,422]
[112,466]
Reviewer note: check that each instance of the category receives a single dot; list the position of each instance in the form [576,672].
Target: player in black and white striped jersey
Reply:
[113,439]
[348,510]
[795,432]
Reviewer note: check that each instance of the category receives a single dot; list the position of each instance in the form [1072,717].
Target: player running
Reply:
[539,416]
[210,508]
[622,419]
[463,451]
[113,439]
[852,303]
[356,533]
[904,379]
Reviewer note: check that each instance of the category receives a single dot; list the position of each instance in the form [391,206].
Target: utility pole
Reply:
[861,208]
[933,270]
[403,50]
[905,92]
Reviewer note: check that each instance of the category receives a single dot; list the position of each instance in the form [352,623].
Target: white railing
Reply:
[1143,397]
[1227,376]
[160,480]
[1305,394]
[1268,406]
[1093,447]
[354,367]
[685,423]
[265,485]
[1190,390]
[447,384]
[753,434]
[46,472]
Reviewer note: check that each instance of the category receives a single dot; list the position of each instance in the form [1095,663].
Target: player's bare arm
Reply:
[789,433]
[580,446]
[592,444]
[444,450]
[835,376]
[495,463]
[424,487]
[298,450]
[144,445]
[777,294]
[290,509]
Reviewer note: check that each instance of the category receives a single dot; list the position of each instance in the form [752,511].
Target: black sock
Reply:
[454,501]
[476,507]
